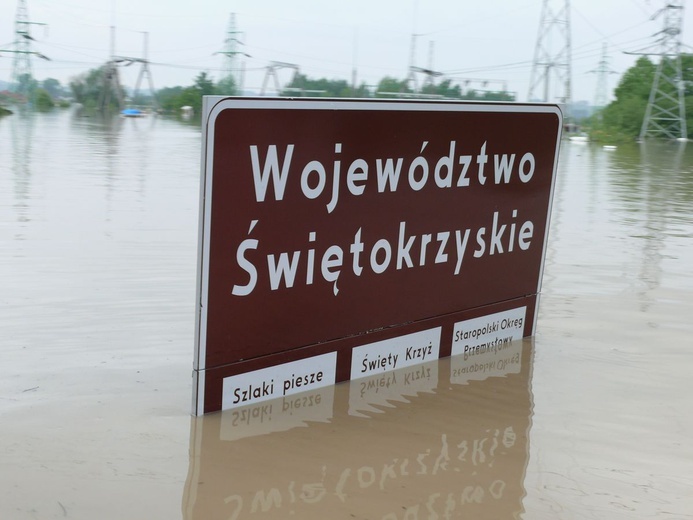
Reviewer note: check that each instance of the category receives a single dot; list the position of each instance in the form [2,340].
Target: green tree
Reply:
[444,89]
[53,87]
[27,86]
[302,85]
[87,89]
[192,96]
[622,118]
[226,87]
[142,99]
[204,84]
[43,100]
[169,98]
[172,99]
[636,81]
[498,95]
[361,91]
[391,87]
[687,73]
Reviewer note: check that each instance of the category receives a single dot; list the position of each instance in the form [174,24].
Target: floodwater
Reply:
[591,419]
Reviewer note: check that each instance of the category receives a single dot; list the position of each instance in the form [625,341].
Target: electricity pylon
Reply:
[430,75]
[665,115]
[144,71]
[271,72]
[410,83]
[110,83]
[554,33]
[111,77]
[231,52]
[22,50]
[110,80]
[602,71]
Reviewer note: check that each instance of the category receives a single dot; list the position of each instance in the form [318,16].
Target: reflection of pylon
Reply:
[548,62]
[665,115]
[22,50]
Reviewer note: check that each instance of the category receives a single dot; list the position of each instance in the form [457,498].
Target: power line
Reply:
[584,54]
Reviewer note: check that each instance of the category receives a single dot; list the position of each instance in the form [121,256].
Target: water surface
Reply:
[98,224]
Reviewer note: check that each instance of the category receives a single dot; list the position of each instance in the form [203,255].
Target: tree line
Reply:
[303,86]
[622,119]
[86,88]
[44,95]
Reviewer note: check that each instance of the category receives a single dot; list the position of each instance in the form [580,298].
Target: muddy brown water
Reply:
[592,418]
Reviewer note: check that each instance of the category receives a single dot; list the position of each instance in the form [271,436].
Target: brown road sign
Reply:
[339,239]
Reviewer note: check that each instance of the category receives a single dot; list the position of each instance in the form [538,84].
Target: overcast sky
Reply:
[477,39]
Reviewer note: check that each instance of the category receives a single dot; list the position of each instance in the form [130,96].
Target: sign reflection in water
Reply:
[385,446]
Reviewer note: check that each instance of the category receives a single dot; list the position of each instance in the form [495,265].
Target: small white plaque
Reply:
[488,333]
[391,354]
[279,381]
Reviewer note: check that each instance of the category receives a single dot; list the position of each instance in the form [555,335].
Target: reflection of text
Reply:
[371,393]
[501,360]
[279,414]
[449,456]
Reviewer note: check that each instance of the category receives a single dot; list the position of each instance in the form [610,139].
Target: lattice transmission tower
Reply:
[110,80]
[23,51]
[429,73]
[144,71]
[411,82]
[232,67]
[271,72]
[601,95]
[665,115]
[553,55]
